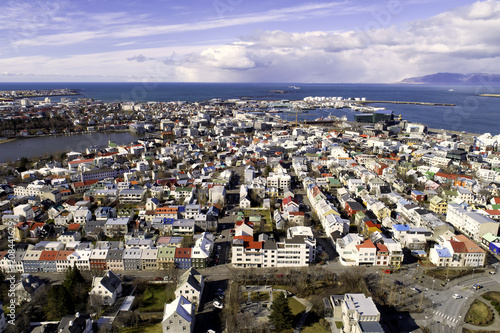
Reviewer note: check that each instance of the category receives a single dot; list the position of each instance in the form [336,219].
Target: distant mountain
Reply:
[454,78]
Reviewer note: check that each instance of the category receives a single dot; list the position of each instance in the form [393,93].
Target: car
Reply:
[319,248]
[457,296]
[158,278]
[218,247]
[387,271]
[415,289]
[492,272]
[218,304]
[477,286]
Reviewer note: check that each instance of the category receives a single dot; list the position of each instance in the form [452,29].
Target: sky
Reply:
[345,41]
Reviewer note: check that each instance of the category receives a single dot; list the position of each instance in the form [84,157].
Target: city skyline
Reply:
[246,41]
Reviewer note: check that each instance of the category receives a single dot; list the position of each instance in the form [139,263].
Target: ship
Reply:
[294,87]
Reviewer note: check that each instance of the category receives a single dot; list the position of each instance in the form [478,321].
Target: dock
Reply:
[404,102]
[489,95]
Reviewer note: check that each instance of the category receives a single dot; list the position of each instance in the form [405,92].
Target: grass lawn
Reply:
[155,297]
[315,328]
[259,296]
[295,306]
[479,314]
[143,329]
[451,274]
[494,298]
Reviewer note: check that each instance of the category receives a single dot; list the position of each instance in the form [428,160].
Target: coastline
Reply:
[7,140]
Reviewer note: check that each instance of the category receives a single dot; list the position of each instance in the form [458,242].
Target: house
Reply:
[190,285]
[69,237]
[116,227]
[82,216]
[97,259]
[106,289]
[114,260]
[418,195]
[149,260]
[438,205]
[75,323]
[165,257]
[352,207]
[28,288]
[201,250]
[359,314]
[178,316]
[132,259]
[182,257]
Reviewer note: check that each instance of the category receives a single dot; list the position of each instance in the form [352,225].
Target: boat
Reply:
[275,111]
[451,90]
[294,87]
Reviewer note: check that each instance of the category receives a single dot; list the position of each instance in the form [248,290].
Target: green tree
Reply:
[58,303]
[76,286]
[281,316]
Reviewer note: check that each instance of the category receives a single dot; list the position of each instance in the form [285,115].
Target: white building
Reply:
[357,311]
[472,224]
[107,288]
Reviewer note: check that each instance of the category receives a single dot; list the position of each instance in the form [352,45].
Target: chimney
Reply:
[70,323]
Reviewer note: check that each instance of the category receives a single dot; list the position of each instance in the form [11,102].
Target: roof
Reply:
[48,256]
[181,306]
[368,244]
[191,277]
[183,252]
[110,281]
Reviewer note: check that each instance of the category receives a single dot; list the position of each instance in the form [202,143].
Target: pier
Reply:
[404,102]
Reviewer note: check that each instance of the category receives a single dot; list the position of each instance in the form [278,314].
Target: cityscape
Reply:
[236,166]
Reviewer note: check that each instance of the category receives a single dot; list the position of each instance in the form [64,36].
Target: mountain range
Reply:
[454,78]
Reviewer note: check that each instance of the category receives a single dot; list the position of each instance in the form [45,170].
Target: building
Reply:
[149,260]
[97,259]
[360,314]
[470,223]
[438,205]
[182,257]
[132,259]
[75,323]
[190,285]
[28,288]
[106,289]
[178,316]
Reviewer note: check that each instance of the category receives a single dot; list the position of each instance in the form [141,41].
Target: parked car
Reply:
[415,289]
[387,271]
[477,286]
[457,296]
[218,304]
[492,272]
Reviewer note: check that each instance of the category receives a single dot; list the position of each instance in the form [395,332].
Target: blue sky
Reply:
[244,40]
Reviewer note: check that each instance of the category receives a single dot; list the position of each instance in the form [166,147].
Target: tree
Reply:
[281,316]
[76,286]
[58,303]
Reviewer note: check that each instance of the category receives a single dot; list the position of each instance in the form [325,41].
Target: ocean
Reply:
[472,113]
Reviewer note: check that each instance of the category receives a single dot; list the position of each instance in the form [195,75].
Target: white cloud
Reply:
[463,40]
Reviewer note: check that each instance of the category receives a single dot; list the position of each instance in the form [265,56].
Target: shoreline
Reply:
[7,140]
